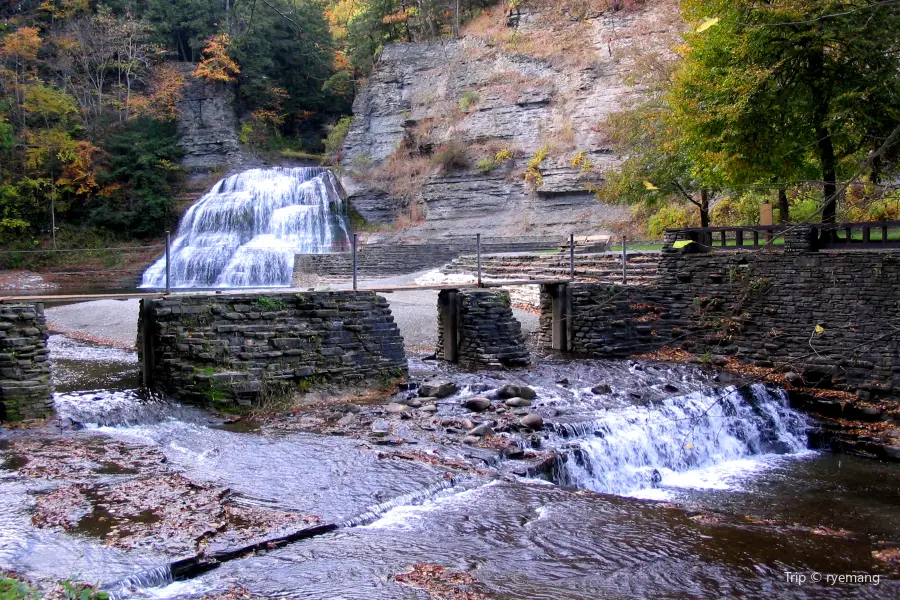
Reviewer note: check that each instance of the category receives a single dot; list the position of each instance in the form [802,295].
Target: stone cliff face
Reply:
[208,123]
[480,93]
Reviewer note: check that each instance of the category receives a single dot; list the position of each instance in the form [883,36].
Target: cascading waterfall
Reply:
[618,453]
[246,230]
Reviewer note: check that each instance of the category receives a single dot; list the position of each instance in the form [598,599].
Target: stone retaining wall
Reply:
[26,391]
[488,336]
[832,317]
[231,349]
[374,260]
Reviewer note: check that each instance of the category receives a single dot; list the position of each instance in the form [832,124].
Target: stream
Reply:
[670,486]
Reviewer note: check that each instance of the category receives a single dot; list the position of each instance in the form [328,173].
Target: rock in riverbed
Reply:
[516,391]
[481,430]
[477,404]
[517,402]
[439,389]
[601,388]
[532,421]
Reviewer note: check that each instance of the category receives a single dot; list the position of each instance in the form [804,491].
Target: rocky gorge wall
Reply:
[237,349]
[208,124]
[26,391]
[830,317]
[518,89]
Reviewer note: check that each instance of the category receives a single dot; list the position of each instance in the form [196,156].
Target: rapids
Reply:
[724,455]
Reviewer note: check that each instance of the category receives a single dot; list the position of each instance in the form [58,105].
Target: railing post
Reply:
[624,262]
[168,270]
[571,256]
[478,252]
[355,264]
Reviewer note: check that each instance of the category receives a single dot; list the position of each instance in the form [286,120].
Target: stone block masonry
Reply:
[832,317]
[477,329]
[26,391]
[236,349]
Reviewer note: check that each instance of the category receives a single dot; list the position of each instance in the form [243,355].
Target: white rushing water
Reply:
[246,230]
[692,441]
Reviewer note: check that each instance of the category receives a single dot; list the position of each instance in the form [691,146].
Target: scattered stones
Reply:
[481,430]
[532,421]
[348,420]
[670,388]
[563,382]
[477,404]
[517,402]
[440,389]
[471,439]
[413,403]
[396,408]
[601,389]
[429,408]
[516,391]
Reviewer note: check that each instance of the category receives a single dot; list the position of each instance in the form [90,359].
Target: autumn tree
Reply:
[216,65]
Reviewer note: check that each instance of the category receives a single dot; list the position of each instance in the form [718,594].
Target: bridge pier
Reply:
[477,330]
[26,391]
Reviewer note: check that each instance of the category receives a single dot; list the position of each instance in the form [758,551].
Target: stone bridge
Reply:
[227,349]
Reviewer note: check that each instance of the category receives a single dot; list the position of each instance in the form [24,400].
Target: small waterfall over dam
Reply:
[246,230]
[696,440]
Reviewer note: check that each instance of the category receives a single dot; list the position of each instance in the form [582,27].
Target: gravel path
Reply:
[108,322]
[114,322]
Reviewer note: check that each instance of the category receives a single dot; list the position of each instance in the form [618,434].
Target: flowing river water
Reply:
[741,502]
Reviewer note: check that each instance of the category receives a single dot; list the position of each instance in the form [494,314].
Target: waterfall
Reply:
[618,453]
[246,230]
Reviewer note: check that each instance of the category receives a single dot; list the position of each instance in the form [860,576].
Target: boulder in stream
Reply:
[438,389]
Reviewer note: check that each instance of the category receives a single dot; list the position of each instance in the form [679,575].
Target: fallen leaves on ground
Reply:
[168,513]
[667,354]
[888,556]
[67,458]
[440,582]
[431,459]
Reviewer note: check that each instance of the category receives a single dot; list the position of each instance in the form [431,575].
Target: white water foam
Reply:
[693,441]
[247,229]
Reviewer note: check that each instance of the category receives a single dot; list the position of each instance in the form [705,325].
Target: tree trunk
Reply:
[784,215]
[829,175]
[704,208]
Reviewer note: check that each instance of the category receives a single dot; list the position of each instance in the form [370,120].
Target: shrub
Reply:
[580,161]
[670,216]
[533,175]
[503,156]
[336,135]
[451,155]
[468,99]
[485,165]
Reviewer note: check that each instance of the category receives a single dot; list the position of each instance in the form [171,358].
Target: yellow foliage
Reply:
[533,175]
[503,155]
[216,64]
[580,161]
[22,44]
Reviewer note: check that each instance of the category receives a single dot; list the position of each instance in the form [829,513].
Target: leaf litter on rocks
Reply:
[167,513]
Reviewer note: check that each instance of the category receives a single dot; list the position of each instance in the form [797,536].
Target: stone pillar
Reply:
[26,391]
[799,238]
[489,334]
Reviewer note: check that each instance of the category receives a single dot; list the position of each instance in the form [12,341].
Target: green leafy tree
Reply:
[780,89]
